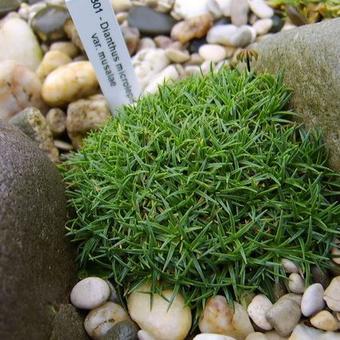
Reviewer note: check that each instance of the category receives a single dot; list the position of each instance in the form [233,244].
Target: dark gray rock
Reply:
[123,330]
[68,324]
[309,57]
[150,22]
[36,262]
[277,24]
[48,23]
[7,6]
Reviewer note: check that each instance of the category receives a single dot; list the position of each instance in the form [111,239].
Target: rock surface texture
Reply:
[36,263]
[310,61]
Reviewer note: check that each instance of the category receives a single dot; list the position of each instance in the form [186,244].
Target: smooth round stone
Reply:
[18,43]
[257,310]
[302,332]
[261,9]
[256,336]
[277,24]
[210,336]
[212,52]
[149,22]
[177,56]
[336,255]
[296,283]
[145,43]
[224,6]
[325,321]
[123,330]
[158,318]
[196,44]
[100,320]
[90,293]
[289,266]
[51,61]
[332,295]
[65,47]
[263,26]
[56,120]
[221,34]
[243,37]
[284,316]
[185,9]
[131,37]
[7,6]
[48,23]
[239,12]
[312,300]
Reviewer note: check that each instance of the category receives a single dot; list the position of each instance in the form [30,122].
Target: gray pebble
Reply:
[123,330]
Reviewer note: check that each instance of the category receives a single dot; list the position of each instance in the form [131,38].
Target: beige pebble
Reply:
[66,47]
[296,283]
[176,55]
[256,336]
[332,295]
[63,146]
[51,61]
[325,320]
[336,255]
[72,34]
[56,120]
[257,310]
[212,52]
[69,82]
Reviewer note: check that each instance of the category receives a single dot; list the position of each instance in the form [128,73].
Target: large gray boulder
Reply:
[37,269]
[310,58]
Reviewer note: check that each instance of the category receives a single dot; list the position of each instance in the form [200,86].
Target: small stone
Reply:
[148,63]
[212,52]
[33,124]
[159,319]
[146,43]
[296,283]
[90,293]
[284,316]
[261,9]
[100,320]
[209,336]
[195,59]
[263,26]
[163,42]
[51,61]
[224,7]
[7,6]
[19,87]
[219,317]
[336,255]
[18,43]
[325,320]
[48,23]
[164,6]
[169,73]
[289,266]
[123,330]
[302,332]
[131,37]
[121,5]
[177,56]
[193,28]
[56,120]
[86,115]
[239,12]
[68,83]
[332,295]
[65,47]
[196,44]
[312,300]
[277,24]
[257,310]
[72,34]
[62,146]
[142,335]
[256,336]
[291,296]
[243,37]
[149,22]
[221,34]
[185,9]
[191,70]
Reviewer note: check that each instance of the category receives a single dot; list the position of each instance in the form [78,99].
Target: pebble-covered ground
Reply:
[48,86]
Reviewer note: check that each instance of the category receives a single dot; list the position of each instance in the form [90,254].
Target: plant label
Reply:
[104,44]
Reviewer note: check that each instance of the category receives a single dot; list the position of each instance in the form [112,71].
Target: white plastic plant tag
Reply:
[103,41]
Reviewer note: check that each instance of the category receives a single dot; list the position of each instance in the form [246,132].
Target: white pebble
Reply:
[184,9]
[177,56]
[312,300]
[289,266]
[221,34]
[257,310]
[210,336]
[332,295]
[169,73]
[90,293]
[212,52]
[256,336]
[261,9]
[296,283]
[98,322]
[263,26]
[239,12]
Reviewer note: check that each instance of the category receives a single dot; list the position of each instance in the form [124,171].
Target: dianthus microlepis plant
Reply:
[204,187]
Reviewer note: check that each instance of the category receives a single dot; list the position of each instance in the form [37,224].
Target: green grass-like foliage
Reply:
[205,188]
